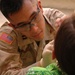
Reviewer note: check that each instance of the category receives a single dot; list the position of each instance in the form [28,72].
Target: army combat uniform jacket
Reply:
[18,52]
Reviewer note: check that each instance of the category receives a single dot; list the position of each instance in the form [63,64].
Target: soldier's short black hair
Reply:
[11,6]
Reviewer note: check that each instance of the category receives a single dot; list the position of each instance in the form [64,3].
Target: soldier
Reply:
[23,38]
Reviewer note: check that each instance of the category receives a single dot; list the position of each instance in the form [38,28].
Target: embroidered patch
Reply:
[6,38]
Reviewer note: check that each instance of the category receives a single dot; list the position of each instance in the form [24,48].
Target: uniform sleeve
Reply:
[9,56]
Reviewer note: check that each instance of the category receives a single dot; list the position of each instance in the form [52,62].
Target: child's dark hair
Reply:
[64,45]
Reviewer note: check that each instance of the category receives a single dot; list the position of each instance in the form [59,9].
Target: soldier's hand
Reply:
[47,55]
[59,21]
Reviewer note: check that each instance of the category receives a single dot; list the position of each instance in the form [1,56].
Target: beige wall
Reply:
[70,4]
[66,6]
[2,19]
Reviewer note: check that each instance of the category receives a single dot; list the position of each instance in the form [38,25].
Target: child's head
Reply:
[64,45]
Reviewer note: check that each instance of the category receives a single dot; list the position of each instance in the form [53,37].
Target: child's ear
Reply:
[53,55]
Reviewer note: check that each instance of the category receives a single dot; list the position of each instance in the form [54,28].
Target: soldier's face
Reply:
[29,21]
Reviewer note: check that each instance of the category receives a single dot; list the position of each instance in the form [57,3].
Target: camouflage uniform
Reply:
[17,52]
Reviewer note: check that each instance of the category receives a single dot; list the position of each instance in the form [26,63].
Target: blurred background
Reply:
[66,6]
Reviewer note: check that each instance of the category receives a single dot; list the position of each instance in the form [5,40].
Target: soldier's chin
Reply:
[39,39]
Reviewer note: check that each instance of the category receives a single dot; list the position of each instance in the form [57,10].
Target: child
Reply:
[64,46]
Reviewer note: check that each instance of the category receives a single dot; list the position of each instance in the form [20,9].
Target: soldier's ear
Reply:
[40,6]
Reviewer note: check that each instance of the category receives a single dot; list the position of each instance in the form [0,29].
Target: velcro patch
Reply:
[6,38]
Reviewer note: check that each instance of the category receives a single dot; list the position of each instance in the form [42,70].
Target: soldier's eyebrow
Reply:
[33,14]
[30,18]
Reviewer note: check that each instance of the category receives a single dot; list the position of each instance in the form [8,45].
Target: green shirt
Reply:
[51,69]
